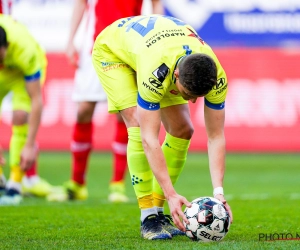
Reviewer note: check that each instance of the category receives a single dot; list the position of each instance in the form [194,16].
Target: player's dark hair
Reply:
[198,73]
[3,38]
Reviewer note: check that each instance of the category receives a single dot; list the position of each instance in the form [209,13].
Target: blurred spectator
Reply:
[88,91]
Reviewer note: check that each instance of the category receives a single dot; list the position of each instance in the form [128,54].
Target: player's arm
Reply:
[150,122]
[77,15]
[157,7]
[28,156]
[214,122]
[2,159]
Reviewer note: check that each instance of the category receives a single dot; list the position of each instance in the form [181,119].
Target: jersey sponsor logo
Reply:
[155,83]
[151,89]
[220,83]
[161,72]
[163,34]
[106,66]
[220,86]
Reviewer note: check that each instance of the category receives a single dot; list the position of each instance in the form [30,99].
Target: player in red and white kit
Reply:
[5,6]
[88,91]
[32,184]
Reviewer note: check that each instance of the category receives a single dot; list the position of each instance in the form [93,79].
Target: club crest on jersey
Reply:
[161,72]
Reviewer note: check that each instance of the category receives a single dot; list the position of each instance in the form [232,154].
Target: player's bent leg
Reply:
[140,172]
[175,150]
[141,178]
[12,194]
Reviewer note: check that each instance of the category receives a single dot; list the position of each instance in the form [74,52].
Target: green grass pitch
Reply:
[263,191]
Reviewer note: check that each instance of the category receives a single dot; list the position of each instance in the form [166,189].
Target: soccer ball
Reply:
[209,220]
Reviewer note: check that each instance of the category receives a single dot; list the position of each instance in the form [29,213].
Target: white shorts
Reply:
[87,86]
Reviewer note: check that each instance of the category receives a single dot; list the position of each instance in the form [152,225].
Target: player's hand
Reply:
[2,159]
[28,156]
[72,55]
[221,198]
[175,204]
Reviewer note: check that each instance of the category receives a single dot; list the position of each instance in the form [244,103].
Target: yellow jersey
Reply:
[24,55]
[152,46]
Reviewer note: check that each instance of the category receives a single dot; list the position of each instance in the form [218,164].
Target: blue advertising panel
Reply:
[241,22]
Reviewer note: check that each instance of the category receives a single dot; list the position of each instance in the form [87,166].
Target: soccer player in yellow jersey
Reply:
[22,70]
[150,67]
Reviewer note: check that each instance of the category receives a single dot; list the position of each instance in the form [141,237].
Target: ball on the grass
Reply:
[209,220]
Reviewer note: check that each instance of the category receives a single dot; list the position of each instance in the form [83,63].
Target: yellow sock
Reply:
[175,152]
[17,142]
[145,201]
[158,200]
[140,172]
[16,174]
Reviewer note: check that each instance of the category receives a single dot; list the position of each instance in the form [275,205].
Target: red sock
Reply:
[33,170]
[81,146]
[119,147]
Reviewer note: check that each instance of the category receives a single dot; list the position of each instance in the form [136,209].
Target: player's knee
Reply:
[19,117]
[185,132]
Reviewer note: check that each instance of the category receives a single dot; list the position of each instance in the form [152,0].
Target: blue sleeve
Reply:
[33,77]
[218,106]
[147,105]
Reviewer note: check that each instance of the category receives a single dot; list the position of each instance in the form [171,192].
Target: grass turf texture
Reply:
[263,191]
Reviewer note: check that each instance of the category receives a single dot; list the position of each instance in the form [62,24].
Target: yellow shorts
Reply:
[118,79]
[13,81]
